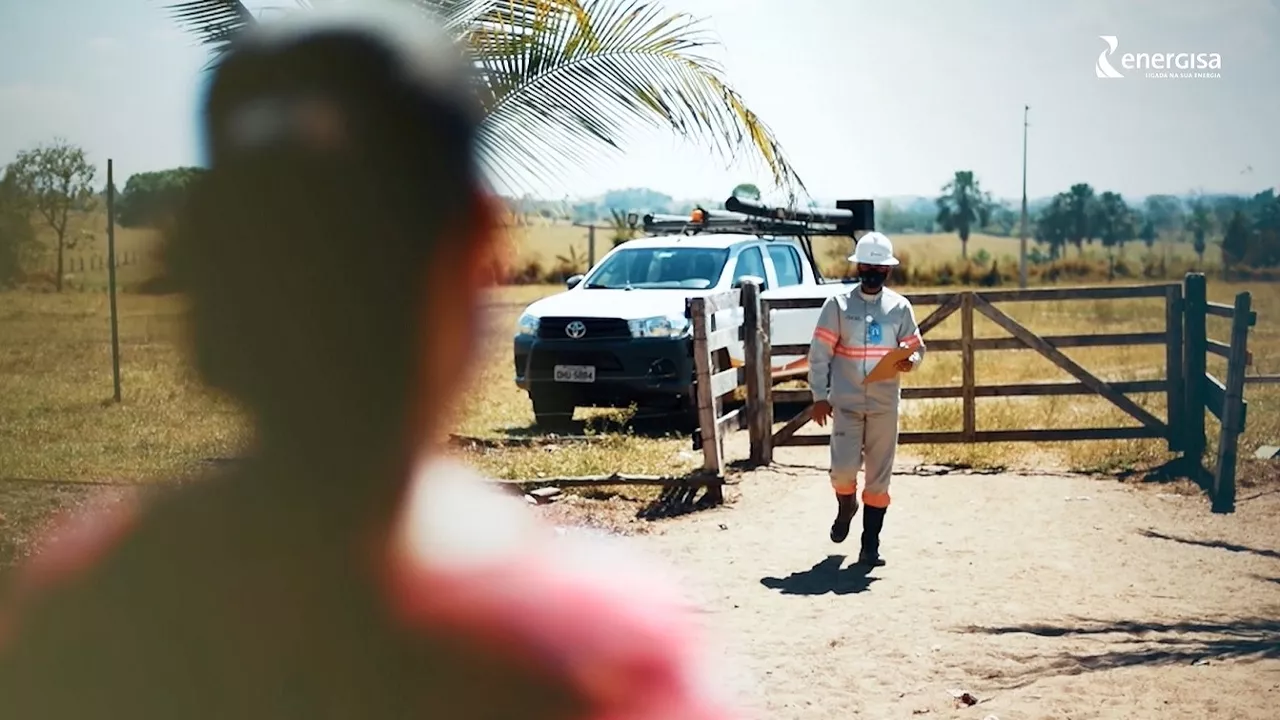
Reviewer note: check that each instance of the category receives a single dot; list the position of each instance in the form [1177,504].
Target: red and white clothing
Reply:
[855,331]
[470,607]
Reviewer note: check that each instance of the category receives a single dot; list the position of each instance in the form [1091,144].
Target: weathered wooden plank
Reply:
[712,461]
[1193,366]
[759,387]
[992,436]
[1262,380]
[1175,400]
[766,393]
[1215,347]
[1108,292]
[722,301]
[1058,341]
[1057,357]
[992,391]
[1224,495]
[725,382]
[942,312]
[1215,395]
[969,410]
[786,433]
[722,338]
[794,303]
[781,350]
[1105,292]
[614,479]
[735,419]
[1228,312]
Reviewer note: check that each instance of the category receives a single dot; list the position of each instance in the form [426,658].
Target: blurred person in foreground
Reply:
[334,257]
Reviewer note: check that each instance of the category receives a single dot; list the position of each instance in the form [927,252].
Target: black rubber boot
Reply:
[847,507]
[872,522]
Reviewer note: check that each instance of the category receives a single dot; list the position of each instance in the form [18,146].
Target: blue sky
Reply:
[869,97]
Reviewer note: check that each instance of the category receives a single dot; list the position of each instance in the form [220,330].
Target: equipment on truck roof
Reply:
[747,217]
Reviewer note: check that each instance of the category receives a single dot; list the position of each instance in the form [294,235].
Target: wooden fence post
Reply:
[711,459]
[756,370]
[1224,476]
[1175,391]
[766,362]
[1195,346]
[968,382]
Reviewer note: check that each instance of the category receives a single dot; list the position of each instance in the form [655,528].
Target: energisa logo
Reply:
[1166,65]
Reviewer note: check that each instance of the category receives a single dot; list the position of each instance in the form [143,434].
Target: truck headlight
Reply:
[662,326]
[527,325]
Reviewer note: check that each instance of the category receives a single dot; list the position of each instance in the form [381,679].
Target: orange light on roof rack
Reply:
[696,216]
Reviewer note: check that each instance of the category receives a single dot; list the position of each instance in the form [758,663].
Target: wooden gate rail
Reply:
[968,303]
[1189,388]
[714,377]
[1225,400]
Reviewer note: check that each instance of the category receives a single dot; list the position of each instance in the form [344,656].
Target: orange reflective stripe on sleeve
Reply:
[861,353]
[875,500]
[913,341]
[825,336]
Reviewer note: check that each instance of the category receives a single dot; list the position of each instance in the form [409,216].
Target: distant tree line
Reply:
[1246,228]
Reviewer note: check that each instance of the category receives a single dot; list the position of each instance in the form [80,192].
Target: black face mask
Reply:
[873,278]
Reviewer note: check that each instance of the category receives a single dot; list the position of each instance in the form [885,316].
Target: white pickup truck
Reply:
[619,335]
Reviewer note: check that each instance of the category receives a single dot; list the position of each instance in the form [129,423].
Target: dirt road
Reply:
[1046,596]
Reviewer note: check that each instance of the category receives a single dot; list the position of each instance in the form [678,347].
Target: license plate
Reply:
[575,373]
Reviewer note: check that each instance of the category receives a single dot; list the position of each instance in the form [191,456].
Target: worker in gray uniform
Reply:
[855,331]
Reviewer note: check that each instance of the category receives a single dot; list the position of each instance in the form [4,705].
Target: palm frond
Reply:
[564,80]
[214,22]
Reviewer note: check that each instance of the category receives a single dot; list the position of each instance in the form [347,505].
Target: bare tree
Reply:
[58,178]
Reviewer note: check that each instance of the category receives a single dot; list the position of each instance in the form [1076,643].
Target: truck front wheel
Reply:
[552,411]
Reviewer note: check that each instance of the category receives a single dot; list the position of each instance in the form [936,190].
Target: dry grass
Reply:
[140,245]
[544,241]
[59,424]
[1121,363]
[56,388]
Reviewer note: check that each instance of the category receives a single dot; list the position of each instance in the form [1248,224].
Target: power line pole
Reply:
[1022,240]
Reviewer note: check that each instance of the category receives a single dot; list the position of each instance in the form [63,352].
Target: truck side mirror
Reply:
[573,281]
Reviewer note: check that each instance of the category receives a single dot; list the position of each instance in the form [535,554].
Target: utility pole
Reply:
[111,278]
[1022,235]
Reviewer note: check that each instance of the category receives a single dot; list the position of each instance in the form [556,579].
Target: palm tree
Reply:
[962,207]
[562,80]
[1053,225]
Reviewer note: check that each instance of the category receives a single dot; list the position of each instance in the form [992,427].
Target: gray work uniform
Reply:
[854,332]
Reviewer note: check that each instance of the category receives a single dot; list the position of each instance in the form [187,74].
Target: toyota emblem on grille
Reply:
[575,329]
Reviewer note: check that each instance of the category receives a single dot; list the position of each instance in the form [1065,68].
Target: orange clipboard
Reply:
[885,368]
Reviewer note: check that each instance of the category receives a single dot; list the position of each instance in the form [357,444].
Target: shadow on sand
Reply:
[1122,644]
[1218,544]
[825,577]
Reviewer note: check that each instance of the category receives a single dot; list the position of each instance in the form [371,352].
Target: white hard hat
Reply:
[873,249]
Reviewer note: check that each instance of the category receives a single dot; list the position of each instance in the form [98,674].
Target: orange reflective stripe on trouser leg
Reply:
[846,450]
[880,446]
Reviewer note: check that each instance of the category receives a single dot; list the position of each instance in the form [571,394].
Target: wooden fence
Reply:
[1188,388]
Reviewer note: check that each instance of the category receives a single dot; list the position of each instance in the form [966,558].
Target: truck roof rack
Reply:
[752,218]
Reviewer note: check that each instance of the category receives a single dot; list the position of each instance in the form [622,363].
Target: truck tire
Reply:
[552,411]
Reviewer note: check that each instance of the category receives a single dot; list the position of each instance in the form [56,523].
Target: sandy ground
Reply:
[1043,596]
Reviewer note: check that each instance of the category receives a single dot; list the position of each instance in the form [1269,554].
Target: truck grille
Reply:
[553,328]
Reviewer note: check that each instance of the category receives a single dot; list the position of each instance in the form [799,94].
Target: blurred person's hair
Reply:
[342,165]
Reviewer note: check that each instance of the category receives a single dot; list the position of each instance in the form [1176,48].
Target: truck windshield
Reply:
[694,268]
